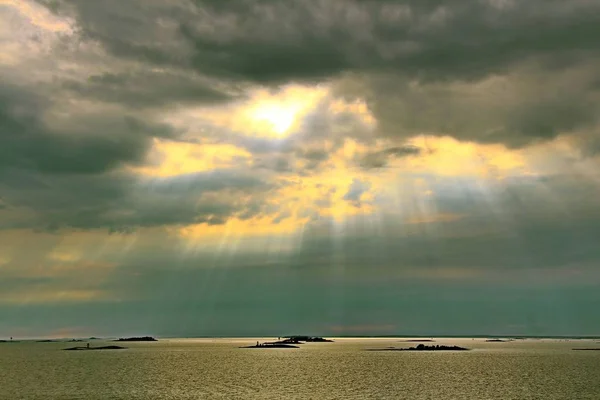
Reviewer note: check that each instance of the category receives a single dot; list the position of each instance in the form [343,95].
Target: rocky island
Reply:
[422,347]
[96,348]
[137,339]
[307,339]
[271,345]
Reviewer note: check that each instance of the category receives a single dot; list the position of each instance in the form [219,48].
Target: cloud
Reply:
[522,107]
[121,202]
[147,88]
[489,71]
[36,137]
[379,159]
[341,154]
[356,191]
[270,42]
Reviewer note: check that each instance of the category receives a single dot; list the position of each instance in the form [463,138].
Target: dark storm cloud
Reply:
[526,106]
[269,41]
[58,170]
[120,202]
[408,54]
[148,88]
[87,142]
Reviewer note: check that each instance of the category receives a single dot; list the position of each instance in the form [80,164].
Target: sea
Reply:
[218,369]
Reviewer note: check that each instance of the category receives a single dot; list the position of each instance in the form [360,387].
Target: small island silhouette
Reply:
[496,341]
[96,348]
[423,347]
[137,339]
[289,342]
[271,345]
[307,339]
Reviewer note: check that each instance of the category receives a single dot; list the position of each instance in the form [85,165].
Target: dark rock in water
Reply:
[96,348]
[496,341]
[591,349]
[137,339]
[422,347]
[46,341]
[417,340]
[309,339]
[271,346]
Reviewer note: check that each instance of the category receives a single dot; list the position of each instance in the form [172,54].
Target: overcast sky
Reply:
[331,167]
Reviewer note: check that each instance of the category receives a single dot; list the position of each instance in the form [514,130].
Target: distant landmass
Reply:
[592,349]
[423,347]
[497,340]
[271,346]
[308,339]
[137,339]
[289,342]
[96,348]
[417,340]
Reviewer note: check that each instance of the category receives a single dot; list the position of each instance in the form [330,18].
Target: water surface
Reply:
[217,369]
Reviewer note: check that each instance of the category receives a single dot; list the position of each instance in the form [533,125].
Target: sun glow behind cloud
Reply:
[279,118]
[262,113]
[280,111]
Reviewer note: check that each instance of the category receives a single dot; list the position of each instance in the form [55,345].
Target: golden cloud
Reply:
[38,16]
[170,158]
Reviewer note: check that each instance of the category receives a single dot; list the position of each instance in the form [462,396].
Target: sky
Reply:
[328,167]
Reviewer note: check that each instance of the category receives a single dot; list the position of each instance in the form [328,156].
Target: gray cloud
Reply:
[356,190]
[35,137]
[120,202]
[425,66]
[149,88]
[59,170]
[527,105]
[268,41]
[380,159]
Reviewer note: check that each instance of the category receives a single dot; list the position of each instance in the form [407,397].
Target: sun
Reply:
[280,118]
